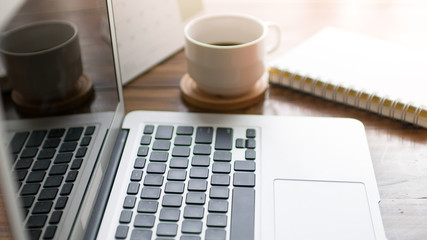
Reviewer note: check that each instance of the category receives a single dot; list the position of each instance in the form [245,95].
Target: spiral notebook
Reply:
[360,71]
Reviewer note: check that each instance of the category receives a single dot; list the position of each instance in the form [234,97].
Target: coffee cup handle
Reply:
[274,26]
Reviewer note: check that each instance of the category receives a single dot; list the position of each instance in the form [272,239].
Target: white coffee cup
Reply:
[226,52]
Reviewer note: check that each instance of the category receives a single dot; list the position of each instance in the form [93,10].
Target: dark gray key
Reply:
[219,206]
[56,217]
[191,226]
[195,198]
[18,141]
[77,163]
[144,220]
[169,214]
[147,206]
[125,216]
[204,135]
[153,180]
[30,189]
[36,138]
[20,174]
[90,130]
[53,181]
[222,156]
[197,185]
[216,220]
[48,194]
[68,147]
[180,151]
[243,213]
[191,211]
[217,234]
[73,134]
[133,188]
[49,233]
[177,174]
[171,200]
[145,140]
[200,149]
[184,130]
[157,156]
[46,154]
[199,172]
[201,161]
[23,163]
[129,202]
[36,177]
[224,139]
[150,193]
[41,165]
[250,143]
[250,133]
[142,151]
[240,143]
[139,163]
[42,207]
[164,132]
[167,229]
[56,133]
[148,129]
[174,187]
[27,201]
[81,152]
[244,179]
[221,167]
[141,234]
[66,189]
[220,180]
[244,166]
[29,152]
[154,167]
[71,176]
[183,140]
[122,232]
[250,154]
[36,221]
[162,145]
[61,202]
[219,192]
[176,162]
[58,169]
[51,143]
[63,157]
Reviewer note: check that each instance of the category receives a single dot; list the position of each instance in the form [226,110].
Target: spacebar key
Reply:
[243,214]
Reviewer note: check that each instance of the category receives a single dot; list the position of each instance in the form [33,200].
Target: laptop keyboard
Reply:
[187,184]
[47,163]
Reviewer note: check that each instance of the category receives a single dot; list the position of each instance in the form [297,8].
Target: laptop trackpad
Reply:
[321,210]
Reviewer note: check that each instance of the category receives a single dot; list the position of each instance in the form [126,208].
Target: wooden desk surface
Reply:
[398,150]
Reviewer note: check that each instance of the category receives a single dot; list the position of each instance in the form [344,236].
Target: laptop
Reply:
[176,175]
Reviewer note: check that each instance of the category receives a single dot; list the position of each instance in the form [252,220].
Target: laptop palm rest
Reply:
[321,210]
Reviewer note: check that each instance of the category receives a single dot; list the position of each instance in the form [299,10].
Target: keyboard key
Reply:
[20,174]
[133,188]
[27,201]
[29,152]
[184,130]
[145,140]
[244,179]
[183,140]
[191,226]
[46,154]
[90,130]
[49,233]
[157,156]
[147,206]
[156,168]
[129,202]
[242,223]
[176,162]
[200,149]
[55,217]
[199,172]
[85,141]
[220,206]
[224,139]
[53,181]
[250,154]
[18,141]
[42,207]
[189,237]
[177,174]
[81,152]
[73,134]
[142,151]
[153,180]
[194,212]
[77,163]
[204,135]
[136,175]
[150,193]
[250,143]
[219,192]
[66,189]
[220,180]
[36,177]
[63,157]
[122,232]
[36,138]
[217,234]
[180,151]
[51,143]
[216,220]
[195,198]
[48,194]
[201,161]
[68,147]
[222,156]
[167,229]
[244,166]
[30,189]
[221,167]
[23,163]
[174,187]
[170,214]
[240,143]
[61,202]
[58,169]
[125,216]
[164,132]
[34,233]
[148,129]
[144,220]
[162,145]
[139,163]
[141,234]
[171,200]
[41,165]
[36,221]
[197,185]
[250,133]
[56,133]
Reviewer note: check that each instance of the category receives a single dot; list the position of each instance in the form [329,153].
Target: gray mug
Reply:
[42,60]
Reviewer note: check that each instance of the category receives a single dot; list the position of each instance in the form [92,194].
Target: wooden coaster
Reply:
[82,92]
[196,97]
